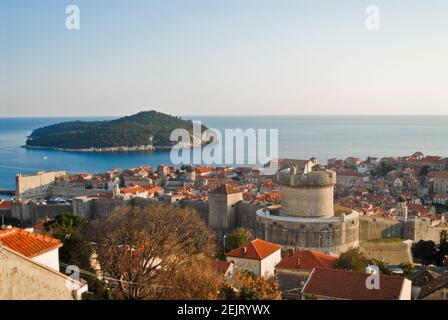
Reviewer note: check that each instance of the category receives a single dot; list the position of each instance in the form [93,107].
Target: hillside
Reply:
[142,129]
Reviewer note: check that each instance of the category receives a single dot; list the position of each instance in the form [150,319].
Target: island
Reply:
[144,131]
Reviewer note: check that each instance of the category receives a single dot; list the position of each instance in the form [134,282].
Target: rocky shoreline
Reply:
[143,148]
[122,149]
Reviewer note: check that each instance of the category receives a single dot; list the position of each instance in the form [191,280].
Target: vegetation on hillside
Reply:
[130,131]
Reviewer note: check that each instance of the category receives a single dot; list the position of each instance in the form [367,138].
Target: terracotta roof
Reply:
[351,285]
[439,174]
[221,266]
[133,190]
[419,208]
[29,244]
[108,195]
[307,260]
[225,189]
[350,173]
[201,169]
[152,190]
[257,250]
[5,204]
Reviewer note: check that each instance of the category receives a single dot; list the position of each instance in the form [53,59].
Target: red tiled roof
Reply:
[307,260]
[439,174]
[419,208]
[221,266]
[350,173]
[257,250]
[5,204]
[29,244]
[152,190]
[201,169]
[351,285]
[108,195]
[133,190]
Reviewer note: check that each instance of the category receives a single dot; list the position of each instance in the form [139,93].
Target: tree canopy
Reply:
[130,131]
[237,238]
[144,248]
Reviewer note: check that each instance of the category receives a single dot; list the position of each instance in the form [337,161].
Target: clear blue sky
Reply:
[223,57]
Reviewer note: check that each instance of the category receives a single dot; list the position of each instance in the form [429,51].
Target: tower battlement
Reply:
[313,179]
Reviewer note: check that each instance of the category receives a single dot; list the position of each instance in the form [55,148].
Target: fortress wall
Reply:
[390,253]
[377,228]
[416,230]
[307,202]
[333,238]
[222,210]
[424,231]
[218,211]
[36,185]
[103,208]
[247,215]
[30,213]
[200,206]
[56,191]
[83,207]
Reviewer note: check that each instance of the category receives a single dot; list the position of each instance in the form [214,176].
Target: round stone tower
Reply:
[307,219]
[308,195]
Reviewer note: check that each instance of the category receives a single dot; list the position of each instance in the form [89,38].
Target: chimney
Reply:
[298,262]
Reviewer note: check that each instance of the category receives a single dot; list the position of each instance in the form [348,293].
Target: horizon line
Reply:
[230,115]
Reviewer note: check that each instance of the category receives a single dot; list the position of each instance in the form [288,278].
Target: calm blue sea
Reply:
[299,137]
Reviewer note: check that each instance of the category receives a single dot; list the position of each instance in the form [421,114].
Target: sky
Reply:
[223,57]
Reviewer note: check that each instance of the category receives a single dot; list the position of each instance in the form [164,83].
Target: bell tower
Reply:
[402,208]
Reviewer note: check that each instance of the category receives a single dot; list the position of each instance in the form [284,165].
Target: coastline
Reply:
[120,149]
[143,148]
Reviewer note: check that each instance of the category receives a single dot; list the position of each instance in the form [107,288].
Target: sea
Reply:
[299,137]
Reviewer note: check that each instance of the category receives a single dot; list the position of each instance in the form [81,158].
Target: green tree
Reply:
[237,238]
[383,169]
[70,229]
[425,251]
[381,266]
[353,259]
[424,171]
[408,269]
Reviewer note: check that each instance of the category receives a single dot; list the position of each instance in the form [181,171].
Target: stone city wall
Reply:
[36,185]
[30,213]
[329,237]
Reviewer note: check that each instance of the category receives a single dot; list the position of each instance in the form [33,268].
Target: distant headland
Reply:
[141,132]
